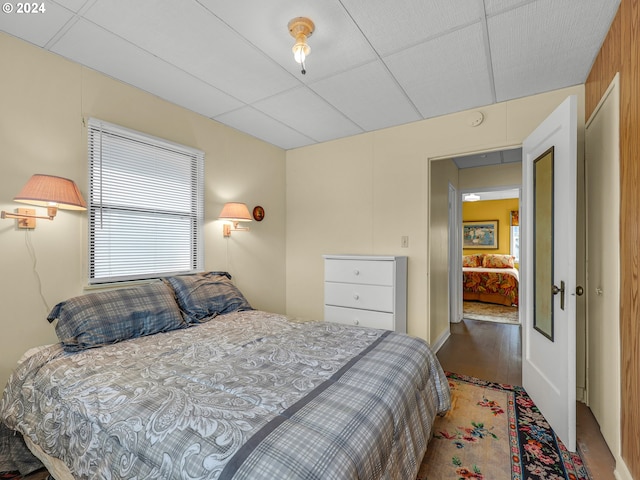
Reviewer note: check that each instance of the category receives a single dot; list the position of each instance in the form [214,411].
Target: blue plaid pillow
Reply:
[206,295]
[108,317]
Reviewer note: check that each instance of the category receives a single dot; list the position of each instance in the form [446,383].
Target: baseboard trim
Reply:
[621,472]
[437,345]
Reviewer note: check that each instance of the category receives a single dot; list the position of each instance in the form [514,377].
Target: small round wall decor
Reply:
[258,213]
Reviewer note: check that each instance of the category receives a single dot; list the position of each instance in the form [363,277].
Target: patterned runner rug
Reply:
[495,432]
[490,312]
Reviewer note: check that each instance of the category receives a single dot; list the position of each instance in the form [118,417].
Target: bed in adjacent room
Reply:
[182,379]
[490,278]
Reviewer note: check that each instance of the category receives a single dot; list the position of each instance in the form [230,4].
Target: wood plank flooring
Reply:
[492,351]
[486,350]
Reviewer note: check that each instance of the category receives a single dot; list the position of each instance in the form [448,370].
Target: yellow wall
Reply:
[492,210]
[43,101]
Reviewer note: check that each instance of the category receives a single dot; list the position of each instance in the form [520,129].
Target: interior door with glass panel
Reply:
[548,250]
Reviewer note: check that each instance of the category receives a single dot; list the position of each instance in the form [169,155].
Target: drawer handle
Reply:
[356,296]
[356,272]
[356,322]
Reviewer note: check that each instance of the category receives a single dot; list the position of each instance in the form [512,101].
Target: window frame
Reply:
[114,146]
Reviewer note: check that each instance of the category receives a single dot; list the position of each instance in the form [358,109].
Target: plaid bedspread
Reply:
[249,395]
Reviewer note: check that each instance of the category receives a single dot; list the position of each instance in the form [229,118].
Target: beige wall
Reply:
[491,176]
[361,194]
[43,100]
[443,173]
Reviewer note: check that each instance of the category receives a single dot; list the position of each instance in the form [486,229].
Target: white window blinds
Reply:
[145,205]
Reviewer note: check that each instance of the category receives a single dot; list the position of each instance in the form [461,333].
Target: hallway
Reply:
[492,351]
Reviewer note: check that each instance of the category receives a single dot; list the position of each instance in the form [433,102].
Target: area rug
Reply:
[495,432]
[490,312]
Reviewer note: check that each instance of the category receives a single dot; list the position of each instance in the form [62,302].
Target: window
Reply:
[145,205]
[515,234]
[515,243]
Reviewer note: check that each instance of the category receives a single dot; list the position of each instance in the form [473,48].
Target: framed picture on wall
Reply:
[482,234]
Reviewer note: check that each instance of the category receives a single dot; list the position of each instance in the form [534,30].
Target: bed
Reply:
[490,278]
[226,393]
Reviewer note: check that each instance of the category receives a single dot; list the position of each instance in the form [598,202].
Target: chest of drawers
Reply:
[366,290]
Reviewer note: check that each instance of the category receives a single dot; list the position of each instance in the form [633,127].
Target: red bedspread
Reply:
[494,285]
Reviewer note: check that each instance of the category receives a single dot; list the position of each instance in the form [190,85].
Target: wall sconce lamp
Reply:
[301,28]
[46,191]
[234,212]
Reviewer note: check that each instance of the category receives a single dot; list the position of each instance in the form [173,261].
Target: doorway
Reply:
[490,271]
[489,202]
[485,171]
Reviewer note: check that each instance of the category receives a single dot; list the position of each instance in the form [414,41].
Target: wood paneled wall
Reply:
[621,53]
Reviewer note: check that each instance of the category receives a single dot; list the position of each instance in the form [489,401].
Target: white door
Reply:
[602,157]
[548,241]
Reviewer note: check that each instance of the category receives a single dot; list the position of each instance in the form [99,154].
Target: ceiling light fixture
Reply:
[471,197]
[301,28]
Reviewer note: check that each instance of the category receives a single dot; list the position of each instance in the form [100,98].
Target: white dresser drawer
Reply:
[363,318]
[368,297]
[367,290]
[358,271]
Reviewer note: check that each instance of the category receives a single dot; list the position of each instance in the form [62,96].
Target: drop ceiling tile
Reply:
[261,126]
[534,52]
[96,48]
[74,5]
[369,96]
[481,160]
[512,156]
[494,7]
[307,113]
[190,37]
[489,158]
[445,75]
[37,28]
[190,51]
[393,26]
[336,44]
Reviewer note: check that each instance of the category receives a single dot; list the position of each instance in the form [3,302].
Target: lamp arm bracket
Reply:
[18,216]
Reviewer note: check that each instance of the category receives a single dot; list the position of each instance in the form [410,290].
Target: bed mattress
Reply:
[247,395]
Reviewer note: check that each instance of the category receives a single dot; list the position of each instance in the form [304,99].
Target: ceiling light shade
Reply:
[46,191]
[301,28]
[471,197]
[234,212]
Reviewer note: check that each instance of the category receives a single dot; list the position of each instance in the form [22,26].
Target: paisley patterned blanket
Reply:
[248,395]
[493,285]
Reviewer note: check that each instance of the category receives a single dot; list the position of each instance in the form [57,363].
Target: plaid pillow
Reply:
[206,295]
[108,317]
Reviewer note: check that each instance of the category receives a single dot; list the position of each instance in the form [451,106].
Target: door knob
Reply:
[579,291]
[555,290]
